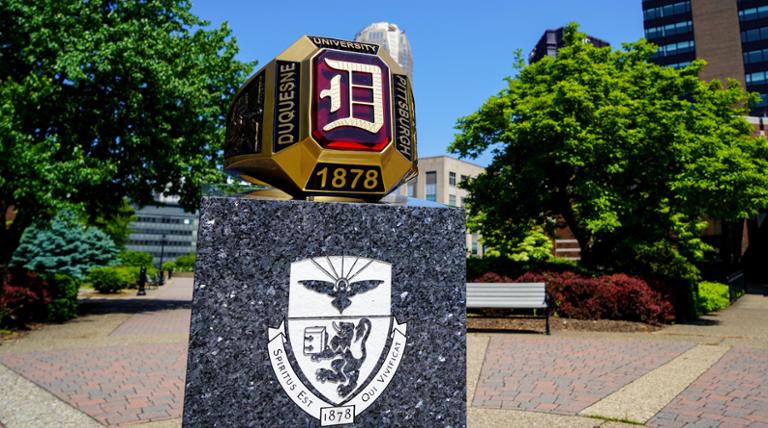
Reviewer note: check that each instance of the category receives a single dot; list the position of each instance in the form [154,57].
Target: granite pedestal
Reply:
[320,314]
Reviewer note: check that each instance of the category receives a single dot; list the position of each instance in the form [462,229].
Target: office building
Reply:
[552,40]
[438,181]
[731,35]
[163,230]
[392,39]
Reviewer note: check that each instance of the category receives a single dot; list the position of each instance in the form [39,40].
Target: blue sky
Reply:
[462,50]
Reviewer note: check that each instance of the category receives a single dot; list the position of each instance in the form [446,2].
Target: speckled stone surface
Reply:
[245,249]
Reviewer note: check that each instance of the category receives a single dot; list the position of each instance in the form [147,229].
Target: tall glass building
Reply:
[164,230]
[731,35]
[392,39]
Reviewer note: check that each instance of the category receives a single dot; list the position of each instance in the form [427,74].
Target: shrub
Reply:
[712,296]
[133,273]
[110,279]
[134,258]
[536,247]
[64,245]
[492,277]
[618,296]
[636,300]
[185,263]
[63,304]
[505,266]
[24,297]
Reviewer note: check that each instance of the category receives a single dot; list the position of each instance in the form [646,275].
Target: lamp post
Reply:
[162,253]
[142,281]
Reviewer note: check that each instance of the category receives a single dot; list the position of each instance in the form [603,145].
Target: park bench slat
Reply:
[531,295]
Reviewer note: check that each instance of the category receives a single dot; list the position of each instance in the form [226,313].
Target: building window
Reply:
[762,103]
[753,13]
[452,200]
[675,48]
[431,189]
[669,30]
[464,178]
[760,55]
[755,34]
[757,78]
[463,201]
[679,65]
[668,10]
[376,36]
[452,179]
[412,188]
[475,244]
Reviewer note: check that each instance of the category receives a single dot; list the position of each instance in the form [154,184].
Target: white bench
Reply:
[522,295]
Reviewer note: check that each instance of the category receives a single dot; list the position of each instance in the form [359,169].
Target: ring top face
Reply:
[326,117]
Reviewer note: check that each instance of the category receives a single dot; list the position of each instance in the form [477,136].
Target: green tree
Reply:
[633,156]
[106,99]
[116,224]
[64,246]
[134,258]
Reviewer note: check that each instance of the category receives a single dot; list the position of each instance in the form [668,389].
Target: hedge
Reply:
[712,296]
[617,297]
[63,305]
[26,296]
[110,279]
[185,263]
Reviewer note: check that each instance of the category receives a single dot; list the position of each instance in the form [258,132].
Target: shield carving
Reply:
[340,334]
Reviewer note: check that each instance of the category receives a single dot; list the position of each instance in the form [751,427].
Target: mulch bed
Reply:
[557,324]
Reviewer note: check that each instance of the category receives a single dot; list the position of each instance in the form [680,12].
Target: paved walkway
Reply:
[710,374]
[124,363]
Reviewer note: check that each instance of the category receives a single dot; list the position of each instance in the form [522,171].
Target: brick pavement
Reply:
[564,375]
[732,393]
[180,289]
[124,364]
[155,323]
[114,385]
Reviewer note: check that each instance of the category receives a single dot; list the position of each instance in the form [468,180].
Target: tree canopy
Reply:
[634,157]
[106,99]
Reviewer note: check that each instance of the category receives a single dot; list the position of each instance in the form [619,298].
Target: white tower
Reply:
[392,39]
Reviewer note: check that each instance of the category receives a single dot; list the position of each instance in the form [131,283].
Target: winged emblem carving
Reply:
[342,287]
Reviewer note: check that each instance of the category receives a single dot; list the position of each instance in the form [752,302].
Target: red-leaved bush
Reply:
[24,297]
[493,277]
[616,297]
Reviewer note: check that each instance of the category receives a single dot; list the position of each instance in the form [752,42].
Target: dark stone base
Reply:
[245,252]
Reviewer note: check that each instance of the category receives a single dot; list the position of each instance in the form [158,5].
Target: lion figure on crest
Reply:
[347,350]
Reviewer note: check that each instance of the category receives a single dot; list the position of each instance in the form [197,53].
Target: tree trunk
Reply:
[579,233]
[10,235]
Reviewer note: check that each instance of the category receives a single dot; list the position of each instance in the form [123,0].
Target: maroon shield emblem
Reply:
[351,101]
